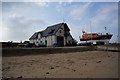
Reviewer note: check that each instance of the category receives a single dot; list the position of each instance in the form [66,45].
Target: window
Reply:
[46,42]
[60,31]
[67,32]
[94,34]
[41,35]
[45,37]
[40,41]
[51,31]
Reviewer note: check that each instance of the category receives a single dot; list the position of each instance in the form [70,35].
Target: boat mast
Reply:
[63,20]
[91,32]
[105,29]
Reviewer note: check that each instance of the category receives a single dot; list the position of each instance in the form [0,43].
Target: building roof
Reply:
[50,30]
[34,36]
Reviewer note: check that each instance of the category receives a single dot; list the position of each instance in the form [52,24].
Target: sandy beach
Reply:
[87,64]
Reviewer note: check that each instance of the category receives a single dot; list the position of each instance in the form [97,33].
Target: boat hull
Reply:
[99,38]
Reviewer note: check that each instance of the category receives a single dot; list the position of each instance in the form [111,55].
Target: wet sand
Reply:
[88,64]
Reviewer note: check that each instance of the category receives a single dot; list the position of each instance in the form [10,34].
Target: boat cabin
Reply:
[89,35]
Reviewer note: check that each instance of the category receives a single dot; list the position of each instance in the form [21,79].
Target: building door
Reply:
[46,42]
[60,41]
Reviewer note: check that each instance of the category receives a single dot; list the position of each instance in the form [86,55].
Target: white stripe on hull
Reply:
[106,41]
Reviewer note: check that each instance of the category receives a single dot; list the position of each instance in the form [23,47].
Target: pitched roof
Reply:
[50,30]
[34,36]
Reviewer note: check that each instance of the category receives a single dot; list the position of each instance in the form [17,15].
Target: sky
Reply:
[21,19]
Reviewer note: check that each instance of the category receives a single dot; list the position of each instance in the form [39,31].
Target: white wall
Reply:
[51,40]
[39,35]
[43,40]
[54,39]
[33,41]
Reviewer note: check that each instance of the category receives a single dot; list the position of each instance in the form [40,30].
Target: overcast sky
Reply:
[21,19]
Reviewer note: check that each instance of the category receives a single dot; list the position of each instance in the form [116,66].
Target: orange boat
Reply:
[95,37]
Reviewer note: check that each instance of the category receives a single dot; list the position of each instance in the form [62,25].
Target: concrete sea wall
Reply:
[109,47]
[50,50]
[35,51]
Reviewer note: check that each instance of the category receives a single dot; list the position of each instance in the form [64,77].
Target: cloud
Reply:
[43,4]
[75,30]
[61,0]
[61,7]
[114,30]
[19,19]
[79,11]
[0,21]
[20,28]
[16,6]
[0,31]
[105,15]
[26,1]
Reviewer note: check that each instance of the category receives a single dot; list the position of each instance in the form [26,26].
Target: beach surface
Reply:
[87,64]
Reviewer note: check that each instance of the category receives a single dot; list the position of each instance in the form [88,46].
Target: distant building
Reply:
[57,34]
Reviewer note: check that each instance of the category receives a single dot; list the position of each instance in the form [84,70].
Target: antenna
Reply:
[91,32]
[90,27]
[105,29]
[83,29]
[34,28]
[63,20]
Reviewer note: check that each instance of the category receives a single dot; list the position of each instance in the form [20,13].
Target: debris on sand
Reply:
[47,73]
[19,77]
[108,56]
[74,70]
[56,66]
[7,79]
[52,68]
[99,62]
